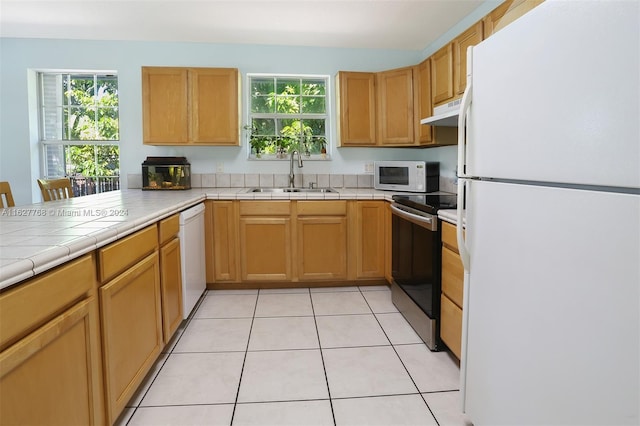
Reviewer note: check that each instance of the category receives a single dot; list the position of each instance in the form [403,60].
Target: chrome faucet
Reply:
[291,174]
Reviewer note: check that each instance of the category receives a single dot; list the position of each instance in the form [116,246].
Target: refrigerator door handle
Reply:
[463,190]
[462,159]
[465,103]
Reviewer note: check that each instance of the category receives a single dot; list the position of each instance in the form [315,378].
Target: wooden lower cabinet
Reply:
[368,227]
[132,335]
[221,241]
[322,248]
[265,248]
[452,290]
[171,287]
[53,375]
[451,324]
[288,241]
[50,359]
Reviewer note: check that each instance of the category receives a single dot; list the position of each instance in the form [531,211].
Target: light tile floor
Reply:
[326,356]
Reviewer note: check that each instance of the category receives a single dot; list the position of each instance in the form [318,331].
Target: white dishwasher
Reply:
[192,255]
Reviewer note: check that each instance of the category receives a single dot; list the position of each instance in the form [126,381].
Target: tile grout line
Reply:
[401,361]
[324,367]
[244,360]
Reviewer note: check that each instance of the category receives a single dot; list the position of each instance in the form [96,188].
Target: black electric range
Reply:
[427,203]
[416,260]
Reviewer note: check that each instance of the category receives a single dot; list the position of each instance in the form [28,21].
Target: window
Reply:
[286,114]
[79,130]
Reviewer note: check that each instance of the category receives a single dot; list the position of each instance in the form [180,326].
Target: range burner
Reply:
[427,203]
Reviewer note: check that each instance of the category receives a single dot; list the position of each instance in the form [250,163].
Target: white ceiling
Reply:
[382,24]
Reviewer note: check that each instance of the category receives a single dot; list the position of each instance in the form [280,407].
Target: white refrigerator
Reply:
[549,166]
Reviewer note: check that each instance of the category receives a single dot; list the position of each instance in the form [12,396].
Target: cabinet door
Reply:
[506,13]
[470,37]
[322,248]
[395,114]
[131,331]
[422,98]
[53,376]
[164,106]
[265,253]
[451,325]
[369,239]
[442,75]
[225,240]
[214,106]
[356,108]
[171,282]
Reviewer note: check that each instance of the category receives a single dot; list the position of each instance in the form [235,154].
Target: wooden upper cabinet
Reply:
[164,105]
[422,101]
[395,112]
[190,106]
[506,13]
[356,108]
[449,66]
[470,37]
[442,75]
[214,106]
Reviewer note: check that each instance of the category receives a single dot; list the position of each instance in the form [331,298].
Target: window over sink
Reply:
[287,113]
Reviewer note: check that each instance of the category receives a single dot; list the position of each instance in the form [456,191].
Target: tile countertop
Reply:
[38,237]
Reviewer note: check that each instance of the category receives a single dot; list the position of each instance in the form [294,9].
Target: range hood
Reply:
[445,115]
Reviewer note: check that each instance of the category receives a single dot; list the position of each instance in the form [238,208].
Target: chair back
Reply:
[55,189]
[5,193]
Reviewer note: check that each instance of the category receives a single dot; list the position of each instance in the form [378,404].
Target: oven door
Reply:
[416,270]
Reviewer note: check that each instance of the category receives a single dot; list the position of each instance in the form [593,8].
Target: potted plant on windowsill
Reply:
[257,143]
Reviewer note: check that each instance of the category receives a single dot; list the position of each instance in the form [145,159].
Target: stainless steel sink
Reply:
[284,190]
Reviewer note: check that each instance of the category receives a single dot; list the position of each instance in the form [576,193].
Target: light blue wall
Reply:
[21,58]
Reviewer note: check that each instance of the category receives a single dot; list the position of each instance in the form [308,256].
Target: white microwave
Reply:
[409,176]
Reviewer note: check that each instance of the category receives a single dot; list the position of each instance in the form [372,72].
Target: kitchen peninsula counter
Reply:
[37,237]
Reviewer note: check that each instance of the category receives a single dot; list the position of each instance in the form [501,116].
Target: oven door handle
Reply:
[423,221]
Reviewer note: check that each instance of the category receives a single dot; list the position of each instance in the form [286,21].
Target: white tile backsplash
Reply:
[336,181]
[209,180]
[237,180]
[252,180]
[323,181]
[223,180]
[350,181]
[281,180]
[309,178]
[196,180]
[365,181]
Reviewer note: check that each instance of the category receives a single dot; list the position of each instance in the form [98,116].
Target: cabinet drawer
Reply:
[451,325]
[449,236]
[30,304]
[322,208]
[122,254]
[265,208]
[168,227]
[452,276]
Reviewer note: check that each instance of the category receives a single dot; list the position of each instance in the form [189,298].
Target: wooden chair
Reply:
[5,189]
[55,189]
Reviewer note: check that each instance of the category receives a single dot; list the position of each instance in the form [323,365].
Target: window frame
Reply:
[326,116]
[44,143]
